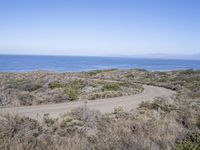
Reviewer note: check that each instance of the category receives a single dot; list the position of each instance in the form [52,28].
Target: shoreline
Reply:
[85,71]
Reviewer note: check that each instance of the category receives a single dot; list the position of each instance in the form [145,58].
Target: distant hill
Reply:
[171,56]
[166,56]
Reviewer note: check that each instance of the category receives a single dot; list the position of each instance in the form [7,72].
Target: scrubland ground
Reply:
[35,88]
[165,123]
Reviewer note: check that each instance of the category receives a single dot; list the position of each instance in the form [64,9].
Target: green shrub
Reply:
[111,87]
[46,114]
[187,72]
[192,142]
[95,72]
[198,122]
[25,85]
[54,85]
[118,110]
[129,75]
[78,84]
[73,93]
[72,89]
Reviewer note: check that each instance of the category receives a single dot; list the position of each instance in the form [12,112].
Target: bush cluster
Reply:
[54,85]
[192,142]
[25,85]
[111,87]
[149,127]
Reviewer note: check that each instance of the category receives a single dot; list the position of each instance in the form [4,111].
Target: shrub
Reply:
[198,122]
[78,84]
[95,72]
[47,120]
[111,87]
[46,114]
[159,103]
[118,110]
[25,85]
[22,133]
[54,85]
[140,69]
[106,94]
[129,75]
[73,93]
[3,142]
[26,99]
[120,113]
[95,96]
[187,72]
[192,142]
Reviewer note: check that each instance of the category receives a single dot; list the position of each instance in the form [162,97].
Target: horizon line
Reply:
[142,56]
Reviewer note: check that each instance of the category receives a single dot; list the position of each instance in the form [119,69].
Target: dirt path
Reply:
[103,105]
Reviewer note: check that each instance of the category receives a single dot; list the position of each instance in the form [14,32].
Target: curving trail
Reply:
[103,105]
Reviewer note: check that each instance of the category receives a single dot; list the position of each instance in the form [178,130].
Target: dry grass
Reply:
[35,88]
[166,123]
[149,127]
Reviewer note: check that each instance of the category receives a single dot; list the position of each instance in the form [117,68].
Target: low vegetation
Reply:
[95,72]
[111,87]
[72,89]
[191,141]
[35,88]
[54,85]
[24,85]
[165,123]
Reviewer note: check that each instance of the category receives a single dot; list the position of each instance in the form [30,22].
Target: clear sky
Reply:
[99,27]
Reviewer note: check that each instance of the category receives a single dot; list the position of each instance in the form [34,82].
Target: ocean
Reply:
[27,63]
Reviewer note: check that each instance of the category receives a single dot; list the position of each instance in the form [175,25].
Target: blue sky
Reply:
[99,27]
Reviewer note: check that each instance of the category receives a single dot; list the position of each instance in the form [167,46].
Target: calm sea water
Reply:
[16,63]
